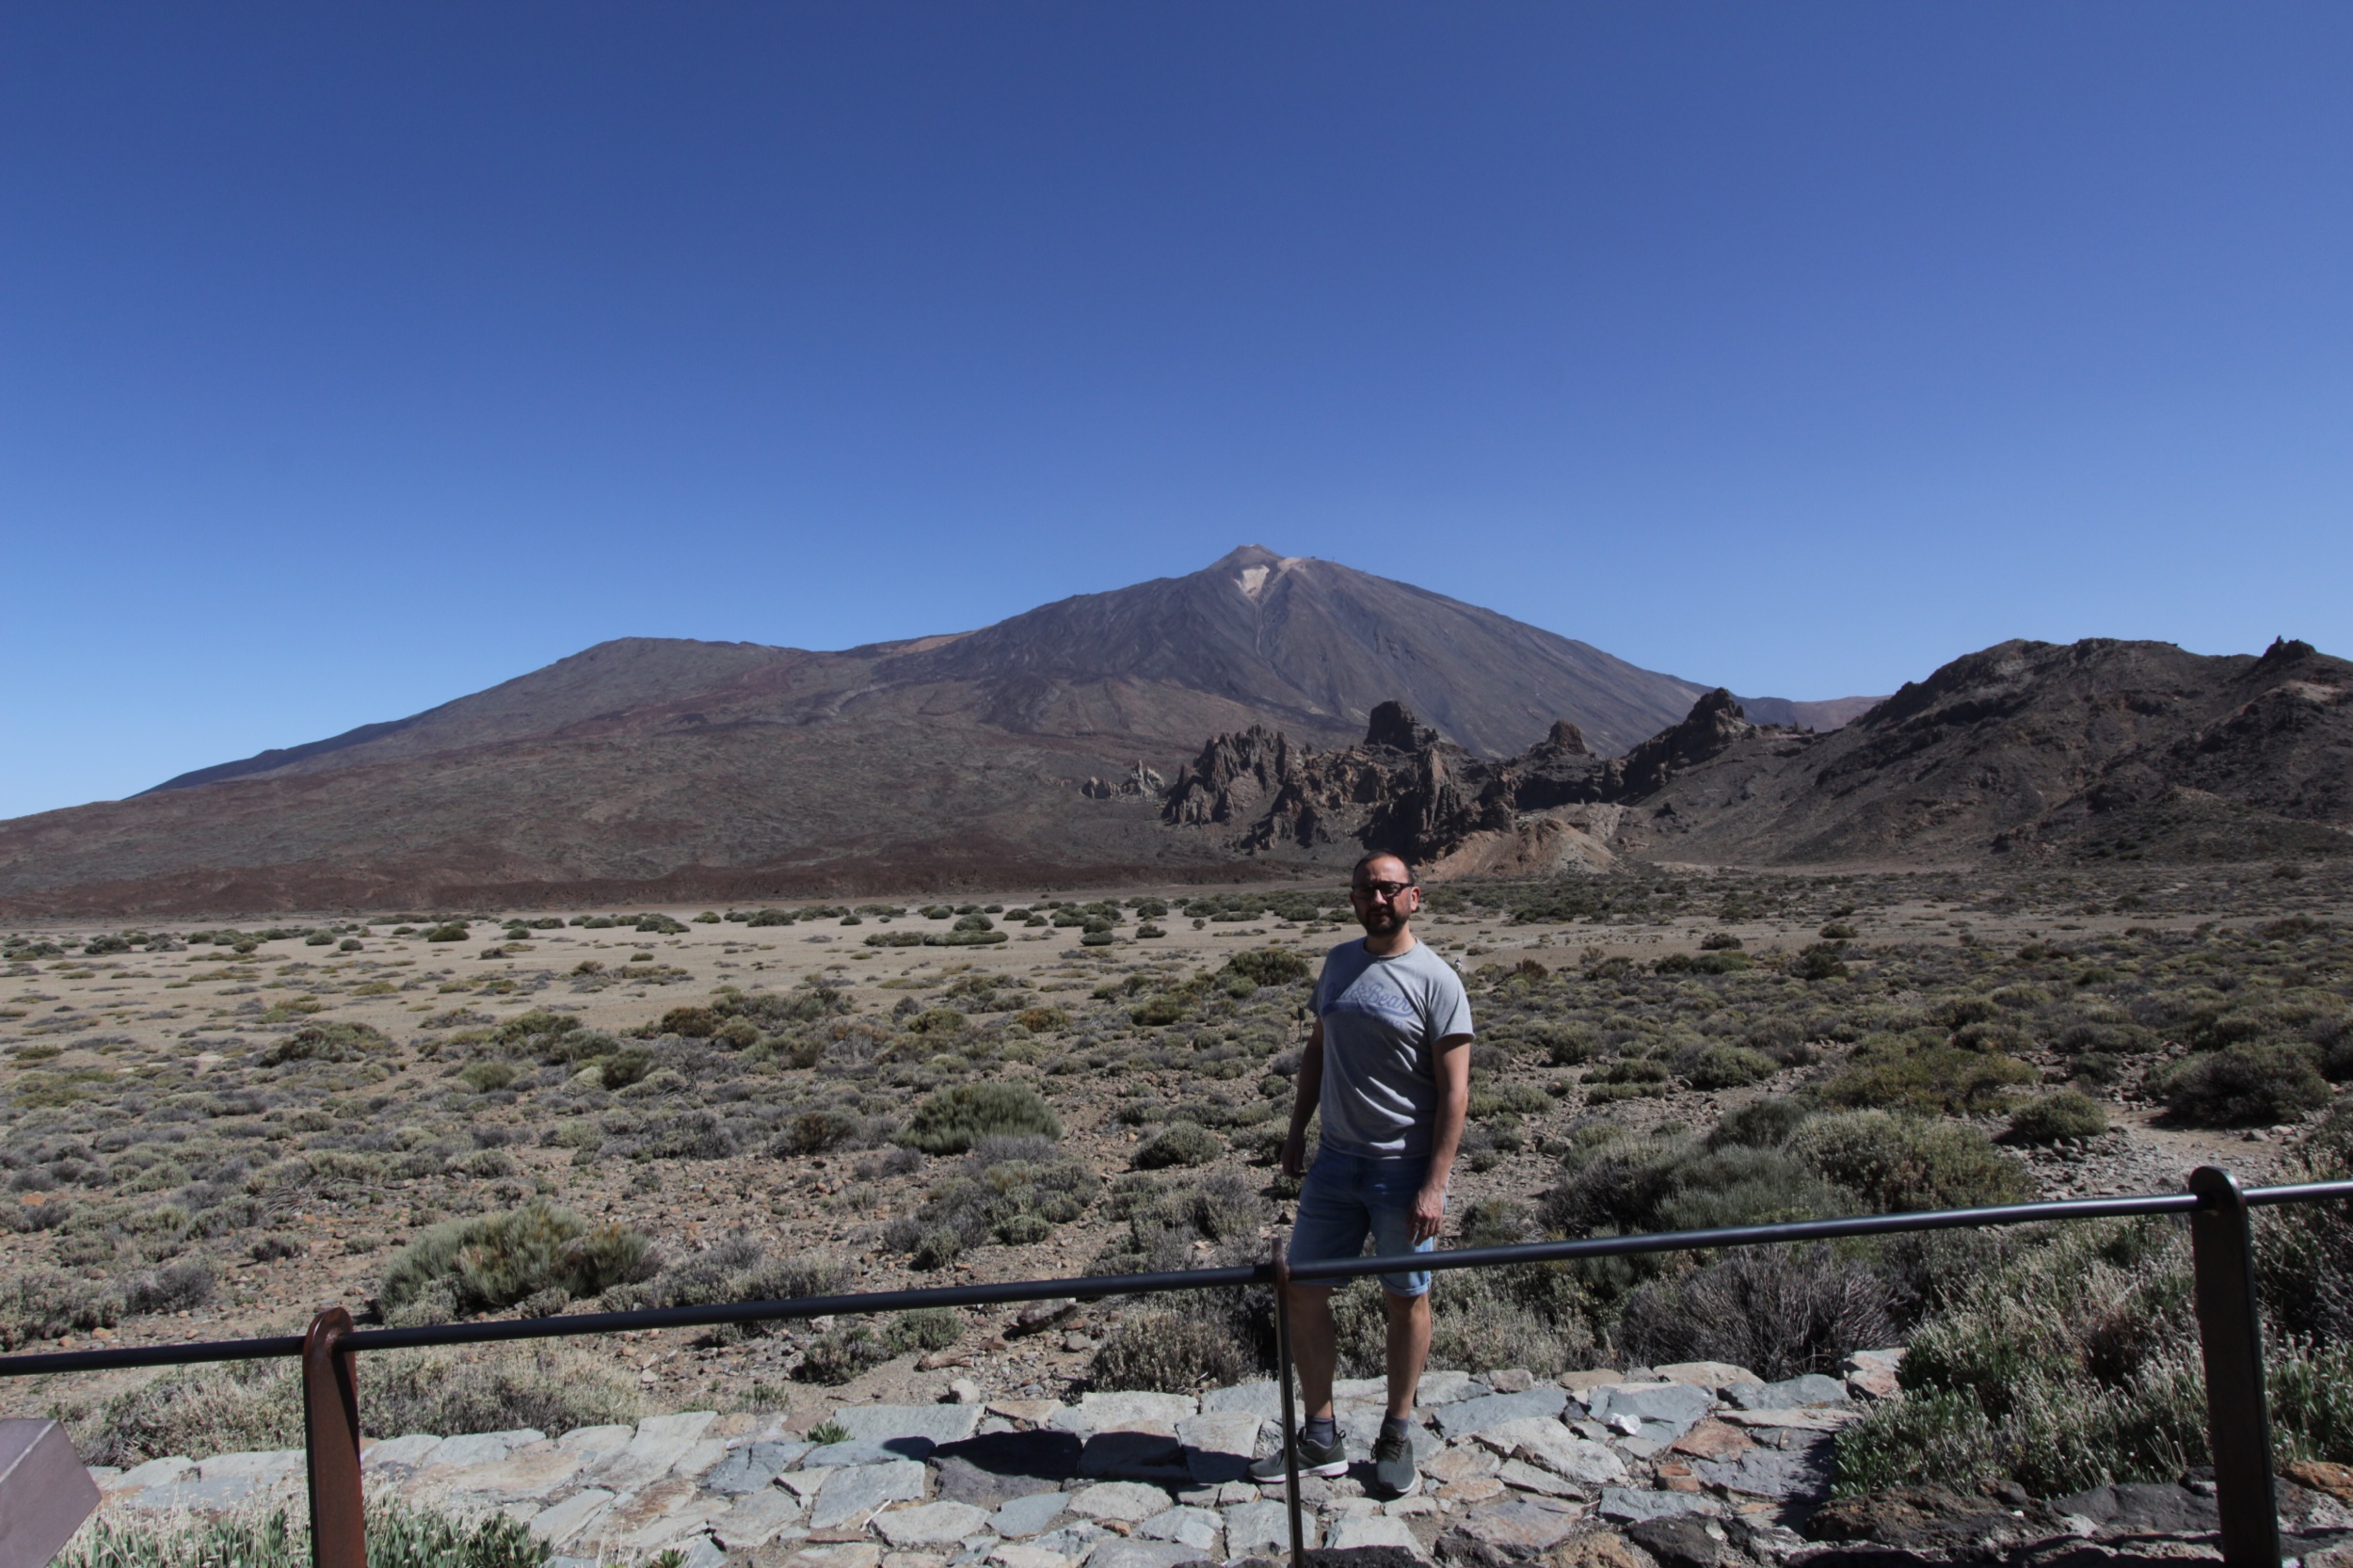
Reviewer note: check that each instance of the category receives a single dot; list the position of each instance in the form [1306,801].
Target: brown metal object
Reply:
[1290,1414]
[2230,1336]
[331,1432]
[45,1493]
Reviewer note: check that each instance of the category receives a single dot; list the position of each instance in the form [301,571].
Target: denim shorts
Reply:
[1348,1197]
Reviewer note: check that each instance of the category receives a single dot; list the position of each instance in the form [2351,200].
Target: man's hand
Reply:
[1294,1156]
[1429,1213]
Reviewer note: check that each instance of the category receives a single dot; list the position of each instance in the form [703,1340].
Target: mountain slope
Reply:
[643,767]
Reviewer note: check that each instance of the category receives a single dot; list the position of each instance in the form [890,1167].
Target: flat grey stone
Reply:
[1810,1389]
[558,1524]
[1074,1540]
[1523,1477]
[1541,1440]
[1150,1456]
[702,1552]
[1465,1416]
[595,1442]
[1262,1529]
[405,1453]
[854,1492]
[880,1423]
[161,1472]
[1355,1390]
[1626,1504]
[263,1465]
[929,1523]
[1016,1555]
[1027,1516]
[1219,1445]
[1190,1526]
[1675,1404]
[1707,1374]
[755,1519]
[1262,1399]
[1130,1503]
[480,1447]
[752,1467]
[1373,1530]
[1119,1553]
[1521,1525]
[860,1451]
[684,1426]
[1126,1412]
[201,1497]
[1802,1470]
[1437,1388]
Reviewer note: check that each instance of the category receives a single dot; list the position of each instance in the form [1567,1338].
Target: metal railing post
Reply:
[330,1436]
[2230,1336]
[1283,1381]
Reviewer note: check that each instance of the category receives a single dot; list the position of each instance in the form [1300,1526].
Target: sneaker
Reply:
[1314,1459]
[1393,1472]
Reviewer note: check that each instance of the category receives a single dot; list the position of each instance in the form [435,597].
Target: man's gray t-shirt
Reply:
[1383,1019]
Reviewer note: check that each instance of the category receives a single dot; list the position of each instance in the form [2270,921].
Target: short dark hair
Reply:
[1358,869]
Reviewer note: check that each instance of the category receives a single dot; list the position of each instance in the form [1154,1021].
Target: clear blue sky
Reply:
[354,357]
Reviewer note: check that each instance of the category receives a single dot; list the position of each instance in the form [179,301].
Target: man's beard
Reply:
[1388,922]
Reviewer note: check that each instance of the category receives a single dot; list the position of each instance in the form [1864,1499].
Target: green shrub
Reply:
[44,1304]
[953,1120]
[2068,1113]
[1926,1080]
[242,1406]
[1179,1144]
[1167,1353]
[625,1067]
[2244,1085]
[1902,1164]
[1268,966]
[841,1354]
[1764,1124]
[929,1328]
[496,1260]
[692,1023]
[452,930]
[483,1077]
[1730,1068]
[2073,1366]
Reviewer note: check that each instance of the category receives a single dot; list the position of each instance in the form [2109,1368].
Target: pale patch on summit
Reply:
[1254,579]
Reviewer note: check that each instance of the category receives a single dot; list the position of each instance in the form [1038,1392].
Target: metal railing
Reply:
[2223,1264]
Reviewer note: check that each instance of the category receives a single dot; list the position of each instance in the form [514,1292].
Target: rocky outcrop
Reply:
[1555,806]
[1138,782]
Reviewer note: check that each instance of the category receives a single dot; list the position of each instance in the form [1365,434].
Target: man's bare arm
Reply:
[1447,1136]
[1306,1094]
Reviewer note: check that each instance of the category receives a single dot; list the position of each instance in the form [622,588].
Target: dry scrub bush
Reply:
[246,1405]
[481,1264]
[399,1536]
[2243,1085]
[1777,1311]
[952,1121]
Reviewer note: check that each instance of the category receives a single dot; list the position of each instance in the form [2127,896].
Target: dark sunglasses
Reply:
[1380,889]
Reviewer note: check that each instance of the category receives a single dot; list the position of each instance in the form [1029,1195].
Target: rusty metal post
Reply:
[2230,1334]
[1290,1413]
[330,1435]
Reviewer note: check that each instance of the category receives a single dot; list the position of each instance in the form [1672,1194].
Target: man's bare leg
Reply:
[1315,1347]
[1409,1348]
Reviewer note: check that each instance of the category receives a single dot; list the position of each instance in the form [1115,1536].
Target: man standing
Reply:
[1389,1066]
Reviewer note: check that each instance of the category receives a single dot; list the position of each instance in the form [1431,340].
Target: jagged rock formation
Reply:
[2090,750]
[1139,782]
[1554,807]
